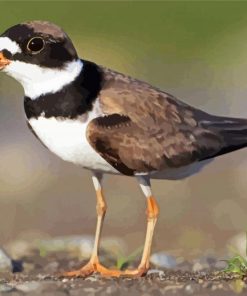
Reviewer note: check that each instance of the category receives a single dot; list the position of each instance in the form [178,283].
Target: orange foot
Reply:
[91,268]
[136,273]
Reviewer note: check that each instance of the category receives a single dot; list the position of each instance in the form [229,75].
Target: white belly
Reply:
[67,139]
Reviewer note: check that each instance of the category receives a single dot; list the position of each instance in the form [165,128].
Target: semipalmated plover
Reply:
[108,122]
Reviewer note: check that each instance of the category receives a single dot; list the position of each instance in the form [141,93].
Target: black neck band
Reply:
[73,100]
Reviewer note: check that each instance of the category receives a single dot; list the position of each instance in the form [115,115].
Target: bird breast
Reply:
[67,139]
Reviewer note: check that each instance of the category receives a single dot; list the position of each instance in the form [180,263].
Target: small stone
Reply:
[160,273]
[90,290]
[163,260]
[204,263]
[20,248]
[65,280]
[173,288]
[28,286]
[238,243]
[41,276]
[6,288]
[93,278]
[184,266]
[192,288]
[197,267]
[237,286]
[189,289]
[220,264]
[180,260]
[82,245]
[214,287]
[5,261]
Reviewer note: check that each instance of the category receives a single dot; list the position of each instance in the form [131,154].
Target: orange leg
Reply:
[152,214]
[94,265]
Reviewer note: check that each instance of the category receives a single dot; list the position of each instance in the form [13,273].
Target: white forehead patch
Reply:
[37,80]
[10,45]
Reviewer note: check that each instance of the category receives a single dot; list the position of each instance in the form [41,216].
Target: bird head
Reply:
[40,56]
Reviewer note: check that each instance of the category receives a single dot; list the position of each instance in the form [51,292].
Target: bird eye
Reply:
[36,44]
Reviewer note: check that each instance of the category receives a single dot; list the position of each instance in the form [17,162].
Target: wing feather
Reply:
[146,129]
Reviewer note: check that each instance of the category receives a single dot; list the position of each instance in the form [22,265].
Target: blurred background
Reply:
[195,50]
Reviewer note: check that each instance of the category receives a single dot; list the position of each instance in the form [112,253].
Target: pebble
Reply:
[238,243]
[163,260]
[160,273]
[173,288]
[80,244]
[188,289]
[204,263]
[220,264]
[65,280]
[5,261]
[6,288]
[93,278]
[28,286]
[192,288]
[197,267]
[19,248]
[184,266]
[91,290]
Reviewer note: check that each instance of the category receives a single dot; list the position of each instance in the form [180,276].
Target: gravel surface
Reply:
[157,283]
[202,276]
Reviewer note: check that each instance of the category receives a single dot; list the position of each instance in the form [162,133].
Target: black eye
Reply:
[36,44]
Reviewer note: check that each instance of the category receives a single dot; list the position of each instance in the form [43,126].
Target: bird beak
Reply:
[3,61]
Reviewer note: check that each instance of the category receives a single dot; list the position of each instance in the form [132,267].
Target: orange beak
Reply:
[3,61]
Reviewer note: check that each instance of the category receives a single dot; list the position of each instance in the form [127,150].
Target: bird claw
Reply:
[136,273]
[91,268]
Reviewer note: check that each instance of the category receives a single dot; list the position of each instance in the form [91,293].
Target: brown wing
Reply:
[146,129]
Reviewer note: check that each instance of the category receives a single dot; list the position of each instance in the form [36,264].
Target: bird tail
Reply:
[232,131]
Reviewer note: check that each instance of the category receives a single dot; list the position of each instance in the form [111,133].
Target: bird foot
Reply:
[91,268]
[136,273]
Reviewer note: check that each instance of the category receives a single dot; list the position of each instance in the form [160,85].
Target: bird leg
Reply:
[152,214]
[94,265]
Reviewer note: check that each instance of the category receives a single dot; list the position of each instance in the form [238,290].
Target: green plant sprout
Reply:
[123,261]
[238,263]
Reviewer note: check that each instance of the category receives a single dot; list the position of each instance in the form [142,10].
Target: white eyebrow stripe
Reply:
[10,45]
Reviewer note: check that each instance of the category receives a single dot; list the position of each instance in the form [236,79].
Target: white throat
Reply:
[37,80]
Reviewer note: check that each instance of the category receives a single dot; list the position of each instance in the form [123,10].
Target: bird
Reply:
[110,123]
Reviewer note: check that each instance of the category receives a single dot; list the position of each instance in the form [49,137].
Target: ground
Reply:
[42,265]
